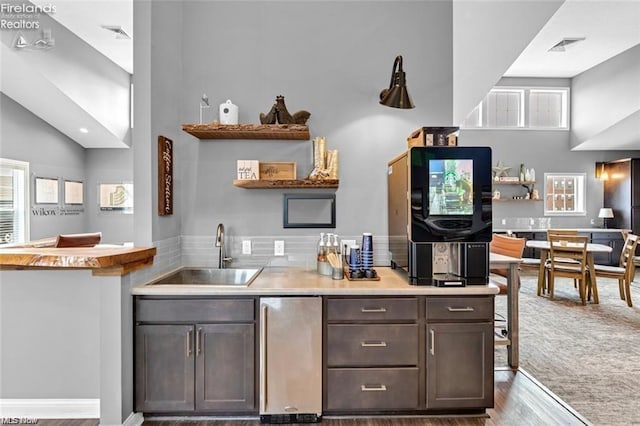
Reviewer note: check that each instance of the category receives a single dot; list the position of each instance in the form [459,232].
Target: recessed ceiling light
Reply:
[562,45]
[118,31]
[83,130]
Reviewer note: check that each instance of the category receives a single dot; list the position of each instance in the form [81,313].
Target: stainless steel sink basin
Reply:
[210,276]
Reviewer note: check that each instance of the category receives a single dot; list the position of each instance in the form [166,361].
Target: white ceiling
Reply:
[609,28]
[85,18]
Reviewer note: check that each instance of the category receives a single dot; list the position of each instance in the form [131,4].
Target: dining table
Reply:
[512,340]
[544,247]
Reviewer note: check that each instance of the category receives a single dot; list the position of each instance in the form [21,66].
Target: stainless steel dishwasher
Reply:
[290,359]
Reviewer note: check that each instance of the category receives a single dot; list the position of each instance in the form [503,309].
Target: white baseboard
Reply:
[50,408]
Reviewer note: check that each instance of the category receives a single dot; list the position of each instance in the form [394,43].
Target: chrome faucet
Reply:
[222,259]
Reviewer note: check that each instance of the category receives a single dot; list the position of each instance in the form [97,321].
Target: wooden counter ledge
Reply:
[101,259]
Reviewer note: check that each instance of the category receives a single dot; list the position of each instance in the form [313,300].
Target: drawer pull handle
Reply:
[373,344]
[373,310]
[290,409]
[373,388]
[467,309]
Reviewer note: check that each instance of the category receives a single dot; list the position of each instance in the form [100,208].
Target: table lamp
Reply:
[605,213]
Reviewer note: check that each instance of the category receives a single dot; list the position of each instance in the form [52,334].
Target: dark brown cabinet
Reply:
[416,354]
[372,355]
[460,354]
[206,365]
[622,194]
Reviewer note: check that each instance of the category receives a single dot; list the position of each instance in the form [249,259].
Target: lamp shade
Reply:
[606,213]
[396,96]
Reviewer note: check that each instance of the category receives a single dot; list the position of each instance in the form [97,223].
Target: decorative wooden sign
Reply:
[165,176]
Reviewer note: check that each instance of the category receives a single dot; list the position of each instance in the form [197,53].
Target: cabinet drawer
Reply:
[372,344]
[459,308]
[372,309]
[194,310]
[374,389]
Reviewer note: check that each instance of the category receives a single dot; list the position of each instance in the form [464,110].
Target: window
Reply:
[14,201]
[548,109]
[505,108]
[564,194]
[521,108]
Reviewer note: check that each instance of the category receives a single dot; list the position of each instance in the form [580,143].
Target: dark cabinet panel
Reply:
[195,367]
[225,367]
[459,365]
[164,368]
[372,389]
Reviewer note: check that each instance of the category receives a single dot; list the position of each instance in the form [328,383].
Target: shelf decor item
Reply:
[279,113]
[277,170]
[248,169]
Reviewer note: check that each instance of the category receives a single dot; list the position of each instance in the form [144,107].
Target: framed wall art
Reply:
[73,192]
[116,197]
[46,190]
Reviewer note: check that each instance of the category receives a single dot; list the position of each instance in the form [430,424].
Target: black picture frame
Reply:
[297,208]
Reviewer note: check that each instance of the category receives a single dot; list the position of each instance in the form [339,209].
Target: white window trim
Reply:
[579,194]
[525,109]
[23,198]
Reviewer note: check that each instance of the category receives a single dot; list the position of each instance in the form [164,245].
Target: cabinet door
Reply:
[225,374]
[164,368]
[460,365]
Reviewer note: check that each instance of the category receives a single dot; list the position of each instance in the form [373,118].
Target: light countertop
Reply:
[307,282]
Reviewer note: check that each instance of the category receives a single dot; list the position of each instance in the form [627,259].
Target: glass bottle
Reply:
[322,250]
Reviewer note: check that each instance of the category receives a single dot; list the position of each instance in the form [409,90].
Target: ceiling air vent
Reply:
[562,45]
[118,31]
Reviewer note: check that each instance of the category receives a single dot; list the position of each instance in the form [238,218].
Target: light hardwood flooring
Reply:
[519,400]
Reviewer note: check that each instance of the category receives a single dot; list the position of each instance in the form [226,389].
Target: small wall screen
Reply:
[451,187]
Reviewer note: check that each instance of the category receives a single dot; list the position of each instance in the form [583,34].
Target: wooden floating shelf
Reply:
[248,131]
[517,182]
[291,183]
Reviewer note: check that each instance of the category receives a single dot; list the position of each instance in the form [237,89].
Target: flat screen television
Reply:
[450,194]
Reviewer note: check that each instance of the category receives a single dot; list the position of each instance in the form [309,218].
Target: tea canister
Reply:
[228,113]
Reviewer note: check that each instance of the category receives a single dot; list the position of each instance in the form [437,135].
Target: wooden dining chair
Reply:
[506,246]
[623,272]
[568,258]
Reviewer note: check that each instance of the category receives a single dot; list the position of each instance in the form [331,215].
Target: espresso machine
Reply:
[440,214]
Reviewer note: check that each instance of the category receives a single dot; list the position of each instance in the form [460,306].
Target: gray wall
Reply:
[26,137]
[50,340]
[606,96]
[50,154]
[329,58]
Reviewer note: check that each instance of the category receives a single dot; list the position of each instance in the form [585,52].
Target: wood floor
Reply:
[519,400]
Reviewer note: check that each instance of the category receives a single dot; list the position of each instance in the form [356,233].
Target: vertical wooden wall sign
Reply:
[165,176]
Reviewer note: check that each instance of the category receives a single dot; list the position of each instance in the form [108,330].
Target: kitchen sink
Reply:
[210,276]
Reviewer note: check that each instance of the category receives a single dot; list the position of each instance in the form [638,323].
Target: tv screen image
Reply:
[451,187]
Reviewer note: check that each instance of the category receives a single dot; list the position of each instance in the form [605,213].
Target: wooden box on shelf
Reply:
[277,170]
